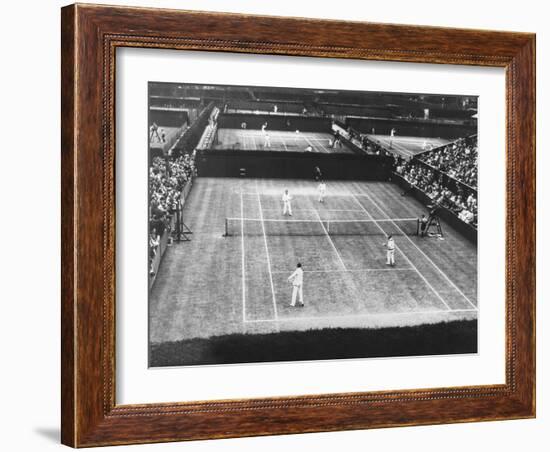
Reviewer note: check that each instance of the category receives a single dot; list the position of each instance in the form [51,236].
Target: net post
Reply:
[225,233]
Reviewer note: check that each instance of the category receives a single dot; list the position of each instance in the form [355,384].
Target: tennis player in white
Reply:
[297,280]
[322,189]
[392,134]
[287,208]
[390,251]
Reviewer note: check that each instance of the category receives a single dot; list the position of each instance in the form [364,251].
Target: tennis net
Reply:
[257,226]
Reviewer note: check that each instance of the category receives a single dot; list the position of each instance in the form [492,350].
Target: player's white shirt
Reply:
[390,245]
[322,188]
[297,277]
[263,128]
[286,197]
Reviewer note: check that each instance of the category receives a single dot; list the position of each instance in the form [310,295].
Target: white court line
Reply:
[406,258]
[267,255]
[359,316]
[331,242]
[327,151]
[282,220]
[310,135]
[243,262]
[310,192]
[317,210]
[314,147]
[422,252]
[284,144]
[357,270]
[403,149]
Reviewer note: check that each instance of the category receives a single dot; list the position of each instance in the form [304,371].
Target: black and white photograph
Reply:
[294,224]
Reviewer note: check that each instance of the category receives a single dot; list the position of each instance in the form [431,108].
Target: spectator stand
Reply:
[190,139]
[431,185]
[170,183]
[209,135]
[358,140]
[457,160]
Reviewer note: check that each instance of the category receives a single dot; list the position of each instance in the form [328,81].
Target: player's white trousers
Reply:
[297,291]
[287,208]
[390,257]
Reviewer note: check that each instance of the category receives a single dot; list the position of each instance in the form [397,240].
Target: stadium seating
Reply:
[167,180]
[458,160]
[440,187]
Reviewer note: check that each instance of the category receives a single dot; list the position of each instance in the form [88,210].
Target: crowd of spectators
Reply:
[371,147]
[442,190]
[458,160]
[364,142]
[167,178]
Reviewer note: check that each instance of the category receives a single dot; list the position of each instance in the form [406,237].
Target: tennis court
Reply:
[254,140]
[233,274]
[408,146]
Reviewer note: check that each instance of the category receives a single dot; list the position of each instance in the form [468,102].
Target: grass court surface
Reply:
[254,140]
[220,285]
[408,146]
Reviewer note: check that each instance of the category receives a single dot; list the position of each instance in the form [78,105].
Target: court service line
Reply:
[356,270]
[321,141]
[317,210]
[267,255]
[403,149]
[311,193]
[315,147]
[399,147]
[243,261]
[282,220]
[359,316]
[331,242]
[258,133]
[406,257]
[422,252]
[284,144]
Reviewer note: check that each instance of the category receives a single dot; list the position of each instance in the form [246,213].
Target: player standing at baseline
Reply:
[297,280]
[287,208]
[322,188]
[390,251]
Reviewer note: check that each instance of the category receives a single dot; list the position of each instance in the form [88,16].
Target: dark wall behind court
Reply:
[292,165]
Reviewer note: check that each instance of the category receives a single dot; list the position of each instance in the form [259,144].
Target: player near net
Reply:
[267,140]
[322,189]
[287,207]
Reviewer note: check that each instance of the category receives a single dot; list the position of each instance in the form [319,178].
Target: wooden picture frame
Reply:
[90,36]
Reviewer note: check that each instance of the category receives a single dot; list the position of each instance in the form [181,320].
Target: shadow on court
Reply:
[445,338]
